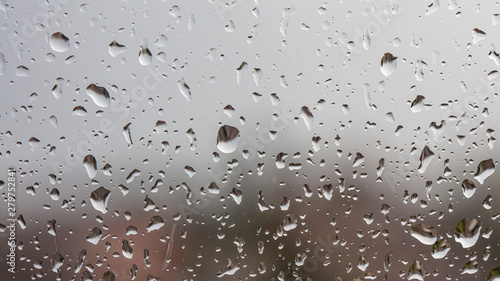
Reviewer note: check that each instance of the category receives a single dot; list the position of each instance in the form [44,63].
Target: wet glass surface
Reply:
[250,140]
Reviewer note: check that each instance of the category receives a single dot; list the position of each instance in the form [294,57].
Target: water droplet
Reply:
[156,222]
[467,232]
[132,175]
[237,195]
[440,249]
[34,143]
[99,95]
[424,233]
[388,64]
[127,250]
[59,42]
[57,261]
[231,268]
[94,235]
[363,263]
[51,225]
[300,259]
[416,271]
[99,199]
[468,188]
[241,71]
[470,268]
[127,133]
[418,104]
[425,159]
[108,276]
[478,35]
[3,63]
[485,169]
[115,49]
[90,165]
[184,89]
[22,71]
[145,56]
[307,116]
[494,274]
[228,139]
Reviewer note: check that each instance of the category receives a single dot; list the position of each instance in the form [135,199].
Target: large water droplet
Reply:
[440,249]
[99,95]
[59,42]
[228,139]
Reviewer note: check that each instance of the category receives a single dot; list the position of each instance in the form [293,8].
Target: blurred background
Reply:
[240,140]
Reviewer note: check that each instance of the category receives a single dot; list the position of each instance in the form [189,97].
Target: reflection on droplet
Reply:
[228,139]
[59,42]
